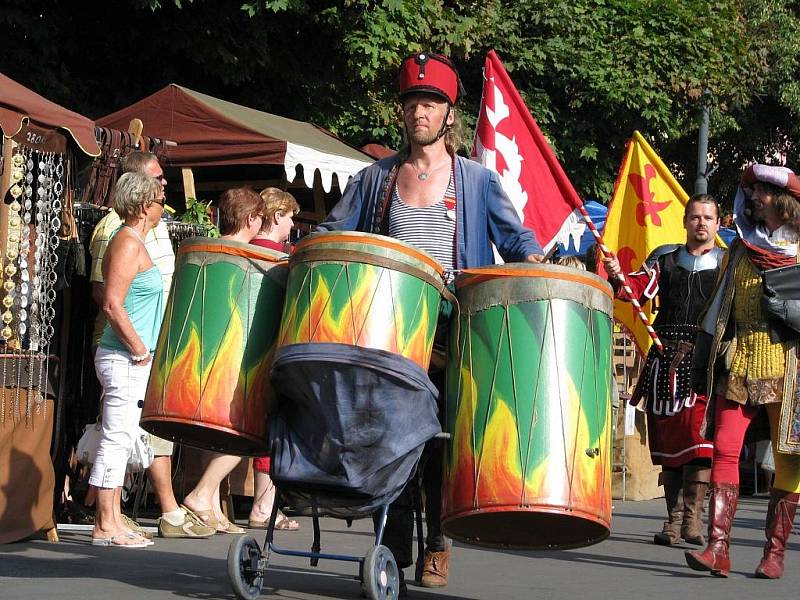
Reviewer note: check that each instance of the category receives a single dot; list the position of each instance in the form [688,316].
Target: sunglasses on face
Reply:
[161,179]
[162,201]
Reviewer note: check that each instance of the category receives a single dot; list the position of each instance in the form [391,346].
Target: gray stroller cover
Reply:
[349,427]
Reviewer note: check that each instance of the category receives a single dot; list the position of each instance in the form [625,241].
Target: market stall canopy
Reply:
[20,106]
[214,132]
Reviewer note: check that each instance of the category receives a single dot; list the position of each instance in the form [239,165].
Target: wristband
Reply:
[140,357]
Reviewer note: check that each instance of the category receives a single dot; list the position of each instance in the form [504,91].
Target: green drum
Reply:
[210,386]
[529,378]
[362,290]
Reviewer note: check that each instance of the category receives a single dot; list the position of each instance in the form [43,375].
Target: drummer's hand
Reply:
[534,258]
[612,266]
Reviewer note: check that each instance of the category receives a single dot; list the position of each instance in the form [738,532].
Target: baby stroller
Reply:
[347,435]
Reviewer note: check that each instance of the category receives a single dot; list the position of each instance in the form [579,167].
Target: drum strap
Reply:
[381,217]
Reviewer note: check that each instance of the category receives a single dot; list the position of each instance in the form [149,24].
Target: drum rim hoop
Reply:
[231,248]
[368,238]
[341,256]
[469,277]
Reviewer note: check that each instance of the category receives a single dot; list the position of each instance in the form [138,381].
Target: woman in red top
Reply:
[279,208]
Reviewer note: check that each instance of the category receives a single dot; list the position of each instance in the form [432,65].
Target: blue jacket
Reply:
[484,214]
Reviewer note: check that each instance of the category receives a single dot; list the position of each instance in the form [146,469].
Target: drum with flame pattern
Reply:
[529,408]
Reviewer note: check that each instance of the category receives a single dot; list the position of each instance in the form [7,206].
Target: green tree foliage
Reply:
[591,71]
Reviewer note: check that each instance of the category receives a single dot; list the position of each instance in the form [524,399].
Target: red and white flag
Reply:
[509,142]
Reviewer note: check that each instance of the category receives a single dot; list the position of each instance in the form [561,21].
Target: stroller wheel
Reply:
[381,578]
[244,571]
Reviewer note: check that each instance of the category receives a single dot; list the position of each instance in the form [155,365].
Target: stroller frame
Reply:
[248,562]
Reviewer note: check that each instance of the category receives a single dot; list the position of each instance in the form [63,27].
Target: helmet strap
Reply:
[445,126]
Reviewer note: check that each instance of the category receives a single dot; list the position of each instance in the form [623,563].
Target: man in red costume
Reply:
[746,358]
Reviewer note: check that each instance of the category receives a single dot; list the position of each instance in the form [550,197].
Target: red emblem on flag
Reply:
[647,202]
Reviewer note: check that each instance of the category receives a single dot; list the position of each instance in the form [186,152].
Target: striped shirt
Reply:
[429,228]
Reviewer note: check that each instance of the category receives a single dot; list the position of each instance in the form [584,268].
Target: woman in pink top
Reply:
[279,208]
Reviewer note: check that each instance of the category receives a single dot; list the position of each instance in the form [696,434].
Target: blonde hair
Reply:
[454,135]
[132,191]
[571,261]
[276,202]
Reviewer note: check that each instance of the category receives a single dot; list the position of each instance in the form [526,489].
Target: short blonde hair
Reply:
[571,261]
[132,191]
[277,202]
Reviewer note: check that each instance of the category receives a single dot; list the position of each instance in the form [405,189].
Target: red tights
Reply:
[731,421]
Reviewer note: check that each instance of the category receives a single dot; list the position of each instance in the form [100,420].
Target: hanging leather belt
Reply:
[682,349]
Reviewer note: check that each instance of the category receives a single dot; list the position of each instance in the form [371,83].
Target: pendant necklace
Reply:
[424,175]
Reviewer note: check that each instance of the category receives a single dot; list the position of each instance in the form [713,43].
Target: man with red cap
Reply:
[746,358]
[454,209]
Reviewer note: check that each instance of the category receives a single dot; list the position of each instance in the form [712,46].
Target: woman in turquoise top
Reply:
[132,303]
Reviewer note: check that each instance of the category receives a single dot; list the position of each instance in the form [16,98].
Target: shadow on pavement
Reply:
[184,575]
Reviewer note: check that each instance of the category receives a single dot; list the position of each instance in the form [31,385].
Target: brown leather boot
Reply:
[434,570]
[780,517]
[695,483]
[673,496]
[721,508]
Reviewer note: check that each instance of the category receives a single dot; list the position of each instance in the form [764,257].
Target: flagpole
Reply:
[621,277]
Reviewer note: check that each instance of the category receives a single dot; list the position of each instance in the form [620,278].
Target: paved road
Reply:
[625,566]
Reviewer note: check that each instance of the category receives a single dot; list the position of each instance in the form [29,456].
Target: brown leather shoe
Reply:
[716,556]
[695,483]
[670,534]
[434,571]
[780,516]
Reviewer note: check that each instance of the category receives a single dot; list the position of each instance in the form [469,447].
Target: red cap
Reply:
[429,73]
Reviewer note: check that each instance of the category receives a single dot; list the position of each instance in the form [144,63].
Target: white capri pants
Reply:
[124,386]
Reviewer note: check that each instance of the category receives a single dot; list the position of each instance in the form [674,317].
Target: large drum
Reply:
[362,290]
[209,386]
[529,378]
[356,403]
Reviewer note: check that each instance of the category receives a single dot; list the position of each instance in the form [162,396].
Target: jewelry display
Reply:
[29,277]
[12,246]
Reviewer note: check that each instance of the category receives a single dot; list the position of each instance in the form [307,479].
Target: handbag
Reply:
[141,455]
[783,281]
[86,449]
[139,459]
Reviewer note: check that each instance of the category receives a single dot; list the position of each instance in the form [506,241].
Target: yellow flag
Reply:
[646,211]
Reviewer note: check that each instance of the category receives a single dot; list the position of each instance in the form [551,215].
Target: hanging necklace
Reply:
[135,232]
[424,175]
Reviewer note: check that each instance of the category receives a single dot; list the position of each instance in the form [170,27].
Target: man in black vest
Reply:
[680,278]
